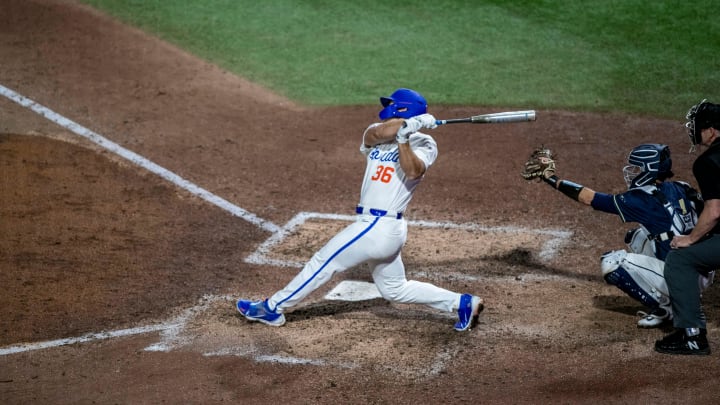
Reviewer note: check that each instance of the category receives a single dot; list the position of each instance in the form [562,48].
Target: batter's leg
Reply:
[390,280]
[347,249]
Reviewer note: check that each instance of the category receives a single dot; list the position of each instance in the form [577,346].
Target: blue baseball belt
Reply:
[377,212]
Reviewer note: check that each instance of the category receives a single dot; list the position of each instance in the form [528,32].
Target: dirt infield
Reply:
[118,284]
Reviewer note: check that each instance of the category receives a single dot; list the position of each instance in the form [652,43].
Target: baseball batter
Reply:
[398,157]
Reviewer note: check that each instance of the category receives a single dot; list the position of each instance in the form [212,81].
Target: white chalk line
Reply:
[171,338]
[275,358]
[82,339]
[170,331]
[136,159]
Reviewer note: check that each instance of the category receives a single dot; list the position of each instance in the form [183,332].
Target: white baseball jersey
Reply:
[385,186]
[376,237]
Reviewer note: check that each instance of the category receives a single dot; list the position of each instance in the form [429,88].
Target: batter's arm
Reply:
[382,133]
[411,165]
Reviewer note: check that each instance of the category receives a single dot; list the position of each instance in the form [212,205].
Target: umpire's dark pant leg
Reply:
[682,269]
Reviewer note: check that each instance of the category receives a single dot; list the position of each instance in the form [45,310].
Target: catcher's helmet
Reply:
[647,163]
[403,103]
[701,116]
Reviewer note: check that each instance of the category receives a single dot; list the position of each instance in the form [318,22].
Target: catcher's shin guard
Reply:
[630,281]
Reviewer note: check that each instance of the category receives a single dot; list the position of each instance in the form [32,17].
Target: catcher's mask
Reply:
[403,103]
[647,163]
[701,116]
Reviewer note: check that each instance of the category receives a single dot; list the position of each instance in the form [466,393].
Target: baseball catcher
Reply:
[661,207]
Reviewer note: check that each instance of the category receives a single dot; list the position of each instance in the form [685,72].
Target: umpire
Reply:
[698,252]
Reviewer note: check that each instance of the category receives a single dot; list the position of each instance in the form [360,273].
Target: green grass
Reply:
[639,56]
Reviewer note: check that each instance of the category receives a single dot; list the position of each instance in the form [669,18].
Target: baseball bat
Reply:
[493,118]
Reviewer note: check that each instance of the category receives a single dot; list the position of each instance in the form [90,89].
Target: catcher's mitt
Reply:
[540,164]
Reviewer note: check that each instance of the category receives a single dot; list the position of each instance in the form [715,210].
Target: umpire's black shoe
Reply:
[679,342]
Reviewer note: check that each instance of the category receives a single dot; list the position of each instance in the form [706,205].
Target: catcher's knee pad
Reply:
[611,260]
[636,287]
[637,241]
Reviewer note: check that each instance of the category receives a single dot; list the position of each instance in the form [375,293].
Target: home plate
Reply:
[349,290]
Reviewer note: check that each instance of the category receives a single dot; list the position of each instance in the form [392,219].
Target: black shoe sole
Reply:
[701,352]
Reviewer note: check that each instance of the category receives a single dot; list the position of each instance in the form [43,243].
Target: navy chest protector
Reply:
[682,212]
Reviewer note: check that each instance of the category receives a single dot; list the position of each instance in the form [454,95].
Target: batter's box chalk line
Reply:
[175,334]
[554,239]
[170,331]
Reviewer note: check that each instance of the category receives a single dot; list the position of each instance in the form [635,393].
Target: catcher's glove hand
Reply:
[540,164]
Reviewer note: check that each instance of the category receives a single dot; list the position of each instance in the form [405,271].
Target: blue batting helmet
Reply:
[403,103]
[647,163]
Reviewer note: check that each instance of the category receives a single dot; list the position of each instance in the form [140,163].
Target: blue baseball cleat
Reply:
[468,312]
[259,311]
